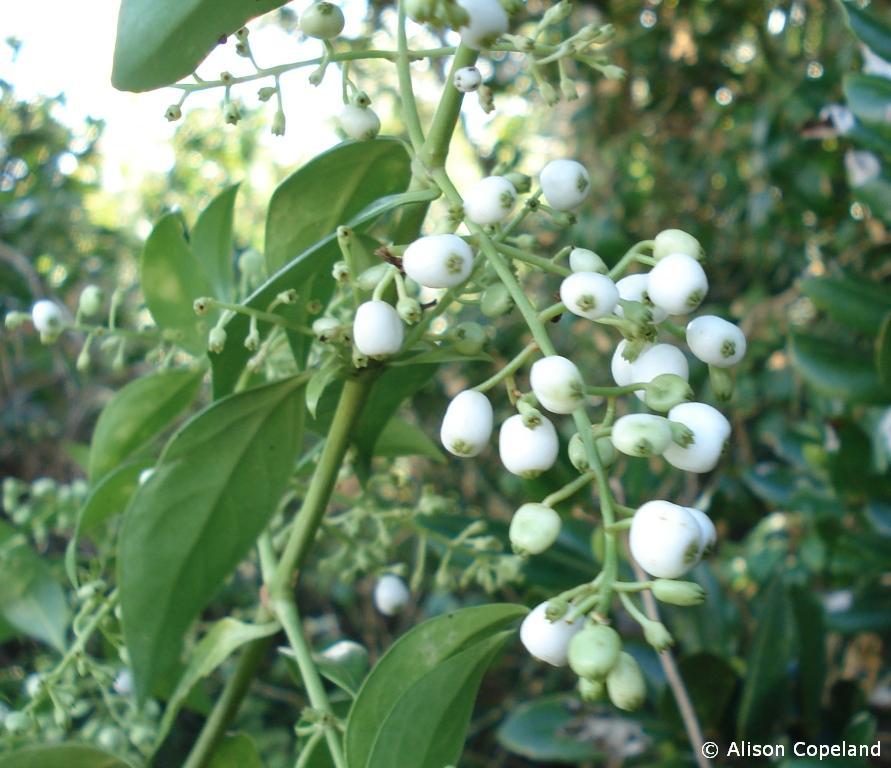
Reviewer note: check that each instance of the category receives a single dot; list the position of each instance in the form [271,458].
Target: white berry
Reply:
[589,294]
[47,317]
[548,641]
[664,539]
[467,79]
[677,284]
[565,184]
[656,360]
[360,123]
[527,451]
[583,260]
[488,21]
[670,241]
[621,368]
[438,261]
[708,536]
[710,432]
[390,594]
[557,384]
[490,200]
[634,288]
[377,329]
[716,341]
[467,424]
[641,434]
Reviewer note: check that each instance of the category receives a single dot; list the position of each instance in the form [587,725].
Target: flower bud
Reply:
[490,200]
[266,93]
[594,651]
[231,113]
[369,279]
[90,301]
[677,284]
[467,424]
[548,641]
[682,593]
[467,79]
[715,341]
[613,72]
[591,690]
[496,301]
[557,384]
[527,451]
[625,684]
[377,329]
[656,634]
[658,360]
[216,339]
[390,594]
[470,338]
[359,123]
[710,431]
[664,539]
[565,184]
[666,391]
[278,123]
[641,434]
[15,320]
[486,22]
[670,241]
[340,271]
[173,113]
[252,340]
[533,529]
[326,329]
[438,261]
[409,310]
[486,98]
[583,260]
[589,294]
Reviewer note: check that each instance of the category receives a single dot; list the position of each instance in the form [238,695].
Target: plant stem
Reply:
[530,258]
[406,91]
[568,490]
[508,370]
[628,259]
[436,147]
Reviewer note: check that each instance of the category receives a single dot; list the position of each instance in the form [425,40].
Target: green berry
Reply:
[322,20]
[594,651]
[678,592]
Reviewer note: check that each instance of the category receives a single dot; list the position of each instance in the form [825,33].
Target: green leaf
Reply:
[319,382]
[30,598]
[427,725]
[710,682]
[853,302]
[236,751]
[161,41]
[223,639]
[328,191]
[409,660]
[171,280]
[764,692]
[873,32]
[546,730]
[214,488]
[869,97]
[61,756]
[883,352]
[138,414]
[811,634]
[837,370]
[212,243]
[399,438]
[345,664]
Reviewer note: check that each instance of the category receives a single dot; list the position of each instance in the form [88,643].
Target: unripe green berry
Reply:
[625,684]
[470,338]
[322,20]
[496,301]
[90,302]
[673,592]
[722,382]
[658,636]
[533,529]
[369,279]
[591,690]
[670,241]
[409,310]
[578,455]
[666,391]
[593,652]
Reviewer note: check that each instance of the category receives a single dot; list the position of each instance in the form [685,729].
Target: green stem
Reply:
[628,259]
[614,391]
[508,370]
[406,91]
[530,258]
[436,147]
[549,313]
[568,490]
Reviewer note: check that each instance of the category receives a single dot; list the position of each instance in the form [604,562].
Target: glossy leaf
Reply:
[138,414]
[171,280]
[400,438]
[161,41]
[811,633]
[869,97]
[236,751]
[223,639]
[61,756]
[542,730]
[883,353]
[855,303]
[214,488]
[345,666]
[873,32]
[837,370]
[212,243]
[31,600]
[419,652]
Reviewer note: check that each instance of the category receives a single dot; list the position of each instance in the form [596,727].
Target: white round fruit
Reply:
[490,200]
[47,317]
[322,20]
[565,184]
[664,539]
[677,284]
[548,641]
[710,431]
[622,369]
[467,79]
[634,288]
[488,21]
[533,529]
[670,241]
[589,294]
[527,451]
[360,123]
[583,260]
[641,434]
[377,329]
[656,360]
[708,536]
[716,341]
[467,424]
[390,594]
[557,384]
[438,261]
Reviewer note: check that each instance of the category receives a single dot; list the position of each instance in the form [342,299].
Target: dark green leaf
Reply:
[419,652]
[319,382]
[399,438]
[811,655]
[215,487]
[137,415]
[212,243]
[873,32]
[161,41]
[837,370]
[711,682]
[236,751]
[345,664]
[546,730]
[869,97]
[62,756]
[853,302]
[883,352]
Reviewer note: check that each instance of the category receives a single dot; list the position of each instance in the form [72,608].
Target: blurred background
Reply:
[762,128]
